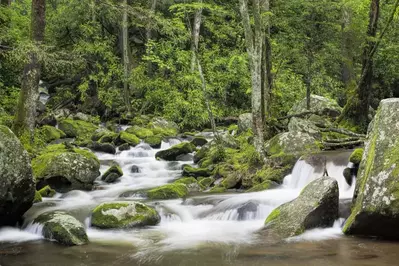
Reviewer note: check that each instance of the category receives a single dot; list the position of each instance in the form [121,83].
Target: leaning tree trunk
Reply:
[26,111]
[254,42]
[126,61]
[195,36]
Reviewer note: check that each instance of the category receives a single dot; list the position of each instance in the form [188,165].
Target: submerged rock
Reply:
[17,186]
[124,147]
[135,169]
[316,206]
[124,215]
[376,201]
[63,228]
[66,168]
[172,153]
[169,191]
[112,174]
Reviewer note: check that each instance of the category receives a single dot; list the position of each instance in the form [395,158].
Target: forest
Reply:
[138,129]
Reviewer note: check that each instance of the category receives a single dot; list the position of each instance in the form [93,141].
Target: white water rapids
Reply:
[218,219]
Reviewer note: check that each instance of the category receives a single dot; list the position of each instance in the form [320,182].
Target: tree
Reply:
[195,36]
[26,113]
[254,41]
[126,60]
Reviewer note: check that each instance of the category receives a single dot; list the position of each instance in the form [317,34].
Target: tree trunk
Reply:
[195,36]
[150,68]
[26,111]
[268,62]
[254,41]
[126,61]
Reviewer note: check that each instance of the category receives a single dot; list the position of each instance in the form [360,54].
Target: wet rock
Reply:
[199,141]
[135,169]
[112,174]
[344,208]
[206,182]
[155,142]
[17,186]
[63,228]
[172,153]
[356,156]
[125,137]
[65,168]
[47,192]
[190,182]
[376,202]
[124,147]
[348,175]
[121,215]
[265,185]
[196,172]
[248,210]
[102,147]
[316,206]
[244,122]
[104,136]
[169,191]
[48,120]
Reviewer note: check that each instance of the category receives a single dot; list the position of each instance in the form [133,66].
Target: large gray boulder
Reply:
[17,186]
[376,201]
[63,228]
[244,122]
[66,168]
[316,206]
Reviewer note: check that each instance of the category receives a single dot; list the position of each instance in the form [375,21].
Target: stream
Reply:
[204,229]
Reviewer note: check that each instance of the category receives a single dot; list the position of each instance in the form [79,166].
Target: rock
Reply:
[199,141]
[265,185]
[50,133]
[375,211]
[172,153]
[38,197]
[17,186]
[247,210]
[318,104]
[164,127]
[190,182]
[47,119]
[63,228]
[244,122]
[170,191]
[155,142]
[356,156]
[61,114]
[135,169]
[316,206]
[102,147]
[104,136]
[140,132]
[206,182]
[291,143]
[112,174]
[77,129]
[66,168]
[196,172]
[121,215]
[344,208]
[83,117]
[348,174]
[124,147]
[47,191]
[128,138]
[297,124]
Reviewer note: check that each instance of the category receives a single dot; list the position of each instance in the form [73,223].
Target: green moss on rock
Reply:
[172,153]
[38,197]
[128,138]
[196,172]
[51,133]
[206,182]
[155,141]
[47,191]
[112,174]
[263,186]
[356,156]
[140,132]
[186,180]
[77,129]
[169,191]
[199,141]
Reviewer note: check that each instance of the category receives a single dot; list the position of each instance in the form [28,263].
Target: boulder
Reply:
[104,136]
[172,153]
[244,122]
[163,127]
[291,143]
[47,192]
[50,133]
[206,182]
[190,182]
[356,156]
[316,206]
[124,147]
[135,169]
[318,104]
[199,141]
[121,215]
[112,174]
[128,138]
[169,191]
[375,210]
[140,132]
[66,168]
[196,172]
[102,147]
[63,228]
[155,142]
[17,186]
[77,129]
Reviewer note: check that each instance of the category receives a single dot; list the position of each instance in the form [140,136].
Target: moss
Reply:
[186,180]
[131,139]
[123,215]
[165,132]
[218,189]
[51,133]
[170,191]
[232,128]
[172,153]
[140,132]
[273,216]
[154,141]
[206,182]
[356,156]
[195,172]
[47,191]
[77,128]
[38,197]
[115,168]
[199,141]
[205,163]
[108,137]
[262,186]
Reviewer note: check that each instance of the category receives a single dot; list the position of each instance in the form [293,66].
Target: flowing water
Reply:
[204,229]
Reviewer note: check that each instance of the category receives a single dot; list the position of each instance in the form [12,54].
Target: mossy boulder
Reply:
[102,147]
[155,141]
[292,143]
[316,206]
[47,192]
[265,185]
[140,132]
[128,138]
[17,186]
[63,228]
[196,172]
[163,127]
[244,122]
[38,197]
[172,153]
[375,211]
[169,191]
[104,136]
[318,104]
[66,168]
[199,141]
[190,182]
[205,182]
[51,133]
[112,174]
[119,215]
[218,189]
[81,130]
[124,147]
[356,156]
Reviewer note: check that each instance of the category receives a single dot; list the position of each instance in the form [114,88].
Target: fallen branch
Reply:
[343,132]
[343,140]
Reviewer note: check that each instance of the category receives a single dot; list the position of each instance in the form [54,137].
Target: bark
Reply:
[347,73]
[126,60]
[254,42]
[268,80]
[195,36]
[150,67]
[26,112]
